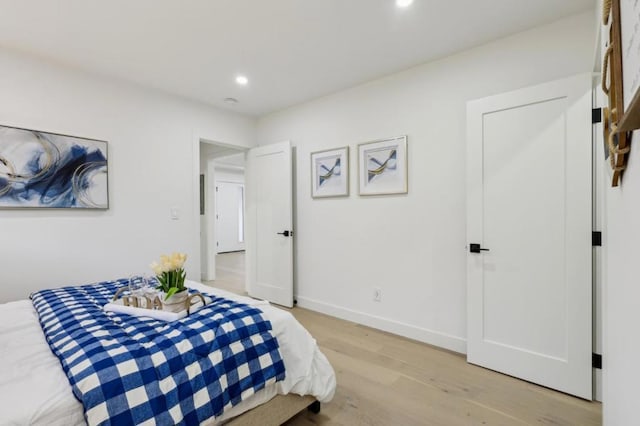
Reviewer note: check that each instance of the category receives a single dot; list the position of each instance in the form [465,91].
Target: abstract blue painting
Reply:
[48,170]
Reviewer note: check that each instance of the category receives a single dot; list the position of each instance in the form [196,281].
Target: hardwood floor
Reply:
[230,272]
[385,379]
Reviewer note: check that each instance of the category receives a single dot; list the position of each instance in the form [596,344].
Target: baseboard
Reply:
[442,340]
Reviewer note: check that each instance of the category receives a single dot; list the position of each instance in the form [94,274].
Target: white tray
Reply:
[120,308]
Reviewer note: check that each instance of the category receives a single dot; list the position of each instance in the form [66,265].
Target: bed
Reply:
[36,391]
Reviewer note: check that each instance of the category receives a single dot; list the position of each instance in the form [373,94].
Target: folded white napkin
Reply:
[120,308]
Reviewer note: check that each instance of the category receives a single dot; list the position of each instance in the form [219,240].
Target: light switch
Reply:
[175,213]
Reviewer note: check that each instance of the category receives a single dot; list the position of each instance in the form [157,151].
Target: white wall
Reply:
[411,246]
[226,174]
[152,167]
[621,297]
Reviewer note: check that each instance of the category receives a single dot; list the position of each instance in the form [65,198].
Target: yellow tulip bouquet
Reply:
[170,273]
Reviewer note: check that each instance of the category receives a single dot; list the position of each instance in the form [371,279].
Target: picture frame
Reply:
[330,173]
[49,170]
[382,166]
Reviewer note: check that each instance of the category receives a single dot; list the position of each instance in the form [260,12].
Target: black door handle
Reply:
[475,248]
[286,233]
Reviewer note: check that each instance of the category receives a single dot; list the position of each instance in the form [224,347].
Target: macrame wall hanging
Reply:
[618,123]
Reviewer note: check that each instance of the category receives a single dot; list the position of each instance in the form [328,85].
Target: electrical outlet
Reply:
[377,295]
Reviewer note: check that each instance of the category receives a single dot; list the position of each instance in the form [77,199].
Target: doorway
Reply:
[222,216]
[229,214]
[268,213]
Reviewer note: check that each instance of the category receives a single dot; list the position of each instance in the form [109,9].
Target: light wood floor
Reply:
[385,379]
[230,271]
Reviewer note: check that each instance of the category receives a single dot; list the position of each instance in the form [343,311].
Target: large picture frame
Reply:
[382,166]
[50,170]
[330,173]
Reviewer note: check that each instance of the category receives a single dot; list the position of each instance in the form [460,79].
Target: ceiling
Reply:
[291,50]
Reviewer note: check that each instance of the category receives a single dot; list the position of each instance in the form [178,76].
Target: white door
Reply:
[529,206]
[230,216]
[269,232]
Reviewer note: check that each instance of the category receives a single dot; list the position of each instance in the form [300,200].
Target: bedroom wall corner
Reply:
[151,170]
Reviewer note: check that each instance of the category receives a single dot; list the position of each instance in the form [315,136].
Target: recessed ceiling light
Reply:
[231,100]
[242,80]
[403,3]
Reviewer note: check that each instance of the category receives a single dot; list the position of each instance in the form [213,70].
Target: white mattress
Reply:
[35,390]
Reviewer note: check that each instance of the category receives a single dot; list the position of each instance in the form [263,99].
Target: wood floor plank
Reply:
[384,379]
[440,380]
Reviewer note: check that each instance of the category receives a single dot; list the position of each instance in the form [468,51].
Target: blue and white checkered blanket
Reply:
[134,370]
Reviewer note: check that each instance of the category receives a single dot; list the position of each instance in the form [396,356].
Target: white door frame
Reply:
[601,179]
[193,266]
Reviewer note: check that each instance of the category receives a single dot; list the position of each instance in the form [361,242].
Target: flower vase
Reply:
[176,302]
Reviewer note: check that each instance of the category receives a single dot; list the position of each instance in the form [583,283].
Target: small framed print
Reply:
[382,166]
[330,173]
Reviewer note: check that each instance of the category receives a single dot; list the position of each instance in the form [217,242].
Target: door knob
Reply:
[475,248]
[286,233]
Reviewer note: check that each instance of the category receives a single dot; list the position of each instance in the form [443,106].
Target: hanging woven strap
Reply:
[606,11]
[605,68]
[614,150]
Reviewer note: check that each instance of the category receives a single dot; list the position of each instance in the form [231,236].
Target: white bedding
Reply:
[35,390]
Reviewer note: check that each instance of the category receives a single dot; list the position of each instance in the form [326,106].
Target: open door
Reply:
[529,256]
[269,219]
[230,216]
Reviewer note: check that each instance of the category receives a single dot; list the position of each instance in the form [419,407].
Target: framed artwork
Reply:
[382,166]
[330,173]
[48,170]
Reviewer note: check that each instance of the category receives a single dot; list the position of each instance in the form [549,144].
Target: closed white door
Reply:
[529,210]
[269,232]
[230,216]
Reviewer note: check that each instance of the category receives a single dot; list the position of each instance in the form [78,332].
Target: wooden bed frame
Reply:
[277,411]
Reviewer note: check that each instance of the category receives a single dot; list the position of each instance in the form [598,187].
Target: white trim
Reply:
[436,338]
[210,217]
[196,258]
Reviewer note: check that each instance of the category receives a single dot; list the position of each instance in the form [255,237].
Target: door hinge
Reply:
[596,238]
[216,189]
[596,115]
[596,361]
[217,244]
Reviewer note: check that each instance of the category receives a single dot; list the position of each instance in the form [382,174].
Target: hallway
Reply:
[230,272]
